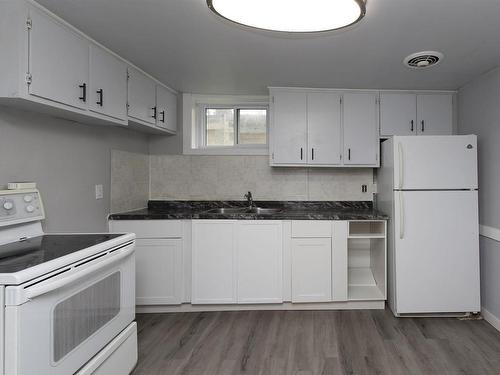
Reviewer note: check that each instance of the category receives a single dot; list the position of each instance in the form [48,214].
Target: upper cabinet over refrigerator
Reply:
[407,113]
[432,163]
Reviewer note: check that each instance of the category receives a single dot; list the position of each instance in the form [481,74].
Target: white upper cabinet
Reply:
[324,128]
[141,97]
[289,134]
[49,66]
[151,107]
[308,128]
[416,114]
[108,84]
[435,114]
[58,62]
[166,102]
[398,114]
[361,144]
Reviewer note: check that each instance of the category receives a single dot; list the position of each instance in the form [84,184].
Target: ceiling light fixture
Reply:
[292,16]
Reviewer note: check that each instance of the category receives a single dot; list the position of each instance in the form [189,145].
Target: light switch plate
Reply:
[99,192]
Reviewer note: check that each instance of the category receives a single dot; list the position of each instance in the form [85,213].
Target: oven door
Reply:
[57,324]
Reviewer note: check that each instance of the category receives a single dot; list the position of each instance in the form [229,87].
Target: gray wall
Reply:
[66,160]
[479,113]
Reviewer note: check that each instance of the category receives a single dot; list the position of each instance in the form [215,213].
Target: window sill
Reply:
[228,151]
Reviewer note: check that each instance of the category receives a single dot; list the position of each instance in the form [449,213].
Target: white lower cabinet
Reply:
[214,262]
[311,269]
[237,262]
[224,262]
[159,271]
[159,253]
[260,262]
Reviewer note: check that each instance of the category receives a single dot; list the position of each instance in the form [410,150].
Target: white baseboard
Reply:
[186,307]
[490,232]
[490,318]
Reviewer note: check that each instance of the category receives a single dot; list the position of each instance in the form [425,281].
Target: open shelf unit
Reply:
[367,259]
[367,229]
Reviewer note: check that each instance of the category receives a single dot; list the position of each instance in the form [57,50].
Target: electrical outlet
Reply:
[99,192]
[364,188]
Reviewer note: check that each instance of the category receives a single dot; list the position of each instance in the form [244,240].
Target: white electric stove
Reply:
[67,300]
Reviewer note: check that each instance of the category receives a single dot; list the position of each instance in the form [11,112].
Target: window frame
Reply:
[192,117]
[202,128]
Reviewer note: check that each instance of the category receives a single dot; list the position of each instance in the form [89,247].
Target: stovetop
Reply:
[18,256]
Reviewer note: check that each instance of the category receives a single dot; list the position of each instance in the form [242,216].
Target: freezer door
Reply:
[436,251]
[435,162]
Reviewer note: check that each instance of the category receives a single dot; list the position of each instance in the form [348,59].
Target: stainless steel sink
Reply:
[244,210]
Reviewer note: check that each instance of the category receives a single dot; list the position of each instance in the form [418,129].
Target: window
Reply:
[225,124]
[233,127]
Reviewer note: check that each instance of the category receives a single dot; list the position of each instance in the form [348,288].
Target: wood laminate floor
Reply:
[313,342]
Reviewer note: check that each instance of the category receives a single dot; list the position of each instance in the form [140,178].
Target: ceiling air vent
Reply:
[422,60]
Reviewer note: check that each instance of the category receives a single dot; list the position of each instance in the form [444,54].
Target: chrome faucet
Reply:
[249,198]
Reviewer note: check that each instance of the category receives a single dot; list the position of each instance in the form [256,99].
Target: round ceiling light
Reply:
[292,16]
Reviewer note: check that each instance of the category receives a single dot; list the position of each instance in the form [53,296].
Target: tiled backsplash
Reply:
[129,180]
[181,177]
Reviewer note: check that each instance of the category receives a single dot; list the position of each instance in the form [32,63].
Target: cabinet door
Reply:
[311,269]
[158,271]
[324,124]
[166,102]
[360,129]
[398,113]
[108,84]
[435,114]
[214,262]
[289,131]
[58,62]
[141,97]
[260,262]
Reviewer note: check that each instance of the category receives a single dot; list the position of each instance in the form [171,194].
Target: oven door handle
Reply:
[48,287]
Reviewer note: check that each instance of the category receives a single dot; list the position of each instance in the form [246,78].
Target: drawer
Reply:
[148,228]
[311,228]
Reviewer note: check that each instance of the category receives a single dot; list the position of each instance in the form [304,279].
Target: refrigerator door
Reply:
[435,162]
[436,251]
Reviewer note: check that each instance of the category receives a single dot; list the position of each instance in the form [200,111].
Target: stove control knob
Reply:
[28,198]
[8,205]
[30,209]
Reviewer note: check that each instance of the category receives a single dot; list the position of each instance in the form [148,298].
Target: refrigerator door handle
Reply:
[401,165]
[401,216]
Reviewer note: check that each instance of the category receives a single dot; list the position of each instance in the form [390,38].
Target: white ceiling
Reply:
[184,45]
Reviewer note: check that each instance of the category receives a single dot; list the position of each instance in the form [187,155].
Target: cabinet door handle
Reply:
[100,102]
[312,153]
[423,126]
[349,154]
[162,116]
[411,125]
[154,112]
[301,153]
[83,98]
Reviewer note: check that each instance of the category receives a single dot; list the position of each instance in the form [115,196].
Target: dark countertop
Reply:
[289,210]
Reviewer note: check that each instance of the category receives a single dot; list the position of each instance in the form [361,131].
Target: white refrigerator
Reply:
[428,186]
